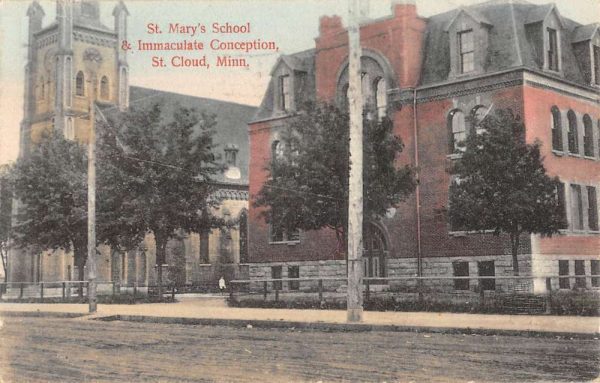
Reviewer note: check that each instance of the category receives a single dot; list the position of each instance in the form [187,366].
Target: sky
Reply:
[291,24]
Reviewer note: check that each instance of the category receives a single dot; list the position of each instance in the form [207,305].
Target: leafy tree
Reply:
[308,187]
[5,216]
[51,185]
[501,184]
[165,166]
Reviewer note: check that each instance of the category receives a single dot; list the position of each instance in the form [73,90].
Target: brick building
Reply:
[76,60]
[429,75]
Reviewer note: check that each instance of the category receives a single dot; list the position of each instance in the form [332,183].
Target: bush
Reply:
[584,303]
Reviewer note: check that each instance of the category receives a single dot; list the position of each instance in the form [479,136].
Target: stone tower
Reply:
[71,62]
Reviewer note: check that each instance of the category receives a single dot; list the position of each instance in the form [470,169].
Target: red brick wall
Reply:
[538,103]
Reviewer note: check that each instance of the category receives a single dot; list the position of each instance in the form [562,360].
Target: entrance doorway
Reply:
[375,252]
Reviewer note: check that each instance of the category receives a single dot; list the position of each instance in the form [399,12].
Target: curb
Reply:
[41,314]
[341,327]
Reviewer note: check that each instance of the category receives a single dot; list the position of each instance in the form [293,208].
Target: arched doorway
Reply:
[375,251]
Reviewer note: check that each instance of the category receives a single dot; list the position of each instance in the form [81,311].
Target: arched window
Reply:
[42,89]
[556,129]
[478,113]
[80,84]
[572,133]
[104,88]
[243,236]
[380,98]
[456,130]
[588,137]
[277,150]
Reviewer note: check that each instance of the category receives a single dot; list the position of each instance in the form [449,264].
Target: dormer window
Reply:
[231,155]
[284,92]
[467,51]
[552,52]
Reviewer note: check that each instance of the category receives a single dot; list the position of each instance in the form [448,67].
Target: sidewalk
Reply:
[214,311]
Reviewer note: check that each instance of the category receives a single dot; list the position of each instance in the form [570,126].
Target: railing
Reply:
[501,289]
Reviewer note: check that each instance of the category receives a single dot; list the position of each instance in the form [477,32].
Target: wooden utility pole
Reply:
[355,199]
[91,261]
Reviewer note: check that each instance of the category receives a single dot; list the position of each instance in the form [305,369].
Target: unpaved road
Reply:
[75,350]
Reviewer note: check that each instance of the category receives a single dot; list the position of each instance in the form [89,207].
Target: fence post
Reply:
[134,290]
[368,291]
[41,292]
[64,289]
[265,290]
[549,296]
[1,289]
[173,294]
[113,288]
[21,291]
[320,291]
[481,295]
[276,292]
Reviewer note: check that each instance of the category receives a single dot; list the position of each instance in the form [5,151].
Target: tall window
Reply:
[560,195]
[579,271]
[588,137]
[467,51]
[478,113]
[284,92]
[244,237]
[596,65]
[552,53]
[556,129]
[276,274]
[69,129]
[487,269]
[572,133]
[294,273]
[595,270]
[456,129]
[104,88]
[563,271]
[380,98]
[576,207]
[461,269]
[592,208]
[80,84]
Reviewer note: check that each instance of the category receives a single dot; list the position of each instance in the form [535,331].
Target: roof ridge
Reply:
[192,96]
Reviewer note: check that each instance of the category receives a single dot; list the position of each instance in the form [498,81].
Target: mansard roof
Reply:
[231,128]
[585,32]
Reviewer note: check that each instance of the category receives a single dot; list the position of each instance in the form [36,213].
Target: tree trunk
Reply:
[4,262]
[514,242]
[161,245]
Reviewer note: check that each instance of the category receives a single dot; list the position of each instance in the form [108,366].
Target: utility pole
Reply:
[91,261]
[355,199]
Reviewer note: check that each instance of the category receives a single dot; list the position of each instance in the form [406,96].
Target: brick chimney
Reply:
[329,25]
[404,8]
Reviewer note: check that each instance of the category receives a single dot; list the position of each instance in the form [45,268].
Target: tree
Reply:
[308,184]
[51,186]
[501,184]
[5,216]
[165,165]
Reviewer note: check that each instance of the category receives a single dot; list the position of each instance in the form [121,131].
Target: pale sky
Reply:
[292,24]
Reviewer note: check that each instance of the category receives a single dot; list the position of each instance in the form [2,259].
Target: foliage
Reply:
[163,165]
[5,216]
[501,184]
[51,184]
[308,187]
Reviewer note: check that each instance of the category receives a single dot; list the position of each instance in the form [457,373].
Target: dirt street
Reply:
[75,350]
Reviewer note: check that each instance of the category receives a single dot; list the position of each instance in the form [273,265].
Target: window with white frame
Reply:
[596,55]
[572,133]
[557,142]
[80,84]
[457,131]
[284,93]
[588,137]
[592,208]
[576,207]
[466,46]
[552,51]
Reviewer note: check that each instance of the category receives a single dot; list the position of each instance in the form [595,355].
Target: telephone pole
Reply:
[91,261]
[355,199]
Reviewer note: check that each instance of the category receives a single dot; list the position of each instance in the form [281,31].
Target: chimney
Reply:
[404,8]
[330,25]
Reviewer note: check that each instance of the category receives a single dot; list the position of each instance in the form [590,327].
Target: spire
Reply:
[35,12]
[120,8]
[89,9]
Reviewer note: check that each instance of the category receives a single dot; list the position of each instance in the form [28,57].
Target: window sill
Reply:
[465,233]
[454,156]
[574,155]
[579,232]
[591,158]
[558,153]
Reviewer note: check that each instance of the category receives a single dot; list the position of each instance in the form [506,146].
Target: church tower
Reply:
[72,62]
